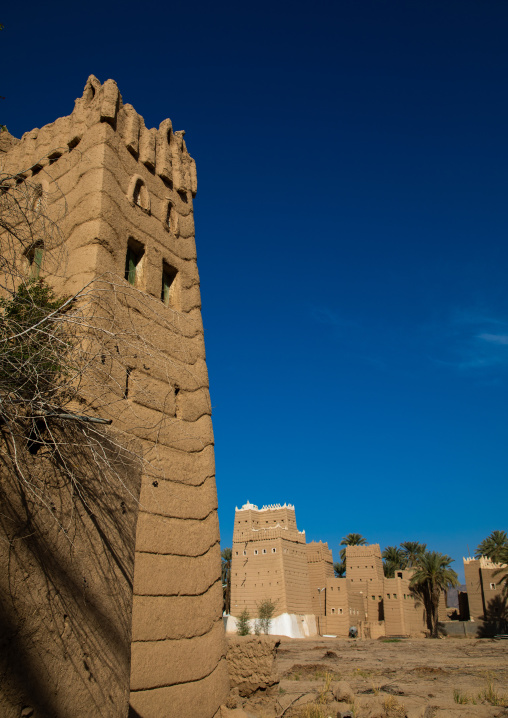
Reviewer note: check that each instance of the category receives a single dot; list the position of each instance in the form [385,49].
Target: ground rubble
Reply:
[278,677]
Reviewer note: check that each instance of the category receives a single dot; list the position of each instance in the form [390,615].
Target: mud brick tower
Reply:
[126,618]
[269,560]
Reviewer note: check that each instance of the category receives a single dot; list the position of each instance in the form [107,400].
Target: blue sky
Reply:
[351,231]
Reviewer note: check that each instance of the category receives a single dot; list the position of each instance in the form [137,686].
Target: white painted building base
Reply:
[287,624]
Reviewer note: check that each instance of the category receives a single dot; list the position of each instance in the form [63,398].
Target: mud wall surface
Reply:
[129,597]
[251,663]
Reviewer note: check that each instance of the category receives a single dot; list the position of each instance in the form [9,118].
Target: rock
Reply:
[338,710]
[251,662]
[373,708]
[342,691]
[27,712]
[420,712]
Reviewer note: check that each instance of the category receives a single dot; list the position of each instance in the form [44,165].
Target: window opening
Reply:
[34,256]
[169,217]
[135,252]
[140,196]
[168,284]
[54,157]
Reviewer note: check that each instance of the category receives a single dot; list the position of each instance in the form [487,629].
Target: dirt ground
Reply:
[417,678]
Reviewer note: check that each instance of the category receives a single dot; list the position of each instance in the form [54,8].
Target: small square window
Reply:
[255,552]
[333,610]
[493,585]
[245,553]
[274,550]
[340,610]
[264,550]
[236,553]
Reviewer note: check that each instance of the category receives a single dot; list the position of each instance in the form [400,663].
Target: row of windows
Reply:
[256,551]
[133,274]
[140,197]
[267,573]
[134,260]
[360,567]
[255,585]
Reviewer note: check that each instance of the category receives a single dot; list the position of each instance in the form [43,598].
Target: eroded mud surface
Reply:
[418,678]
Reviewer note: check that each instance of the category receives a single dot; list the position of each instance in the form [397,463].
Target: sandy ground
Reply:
[418,678]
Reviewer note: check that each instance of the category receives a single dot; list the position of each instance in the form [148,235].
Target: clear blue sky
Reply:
[352,239]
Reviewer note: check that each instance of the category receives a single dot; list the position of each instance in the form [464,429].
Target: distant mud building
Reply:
[271,560]
[486,601]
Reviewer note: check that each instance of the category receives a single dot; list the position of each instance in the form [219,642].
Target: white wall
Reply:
[287,624]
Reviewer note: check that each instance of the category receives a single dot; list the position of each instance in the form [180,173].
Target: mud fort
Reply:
[111,600]
[271,560]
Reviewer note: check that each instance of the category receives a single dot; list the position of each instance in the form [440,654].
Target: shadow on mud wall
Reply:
[67,530]
[496,618]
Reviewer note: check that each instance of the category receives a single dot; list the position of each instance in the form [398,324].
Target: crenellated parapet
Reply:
[162,151]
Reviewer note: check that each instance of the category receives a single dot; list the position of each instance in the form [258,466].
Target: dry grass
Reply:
[461,698]
[323,695]
[393,708]
[490,694]
[312,710]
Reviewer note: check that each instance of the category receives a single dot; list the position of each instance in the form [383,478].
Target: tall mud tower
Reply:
[111,598]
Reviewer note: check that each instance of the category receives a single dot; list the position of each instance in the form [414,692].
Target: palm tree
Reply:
[226,555]
[413,551]
[339,569]
[393,559]
[502,557]
[432,575]
[351,540]
[493,546]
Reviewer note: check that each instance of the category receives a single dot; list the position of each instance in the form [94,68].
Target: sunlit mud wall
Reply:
[113,598]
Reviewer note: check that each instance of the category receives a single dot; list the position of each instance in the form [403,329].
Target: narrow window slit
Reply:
[34,256]
[133,259]
[168,287]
